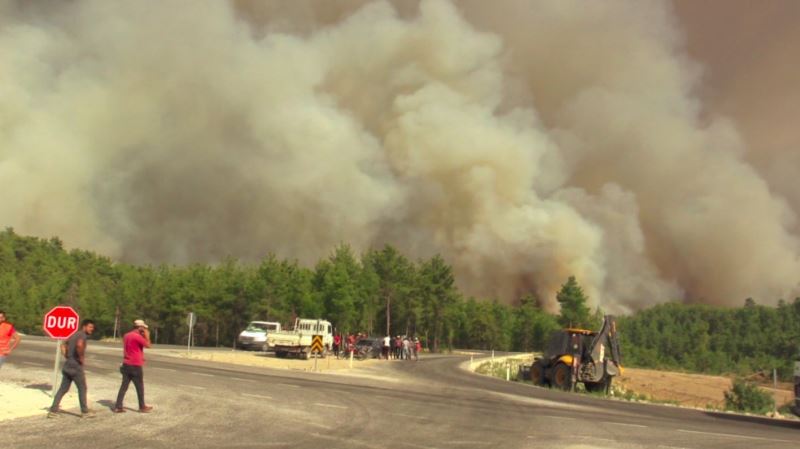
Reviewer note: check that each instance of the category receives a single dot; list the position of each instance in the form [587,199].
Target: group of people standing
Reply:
[343,346]
[74,352]
[401,348]
[397,348]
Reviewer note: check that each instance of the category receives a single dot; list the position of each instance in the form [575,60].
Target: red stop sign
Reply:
[61,322]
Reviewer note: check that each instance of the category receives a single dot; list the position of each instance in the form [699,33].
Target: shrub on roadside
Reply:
[747,397]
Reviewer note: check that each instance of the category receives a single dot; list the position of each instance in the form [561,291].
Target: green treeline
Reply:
[710,339]
[353,291]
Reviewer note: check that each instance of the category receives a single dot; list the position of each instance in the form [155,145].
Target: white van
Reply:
[254,337]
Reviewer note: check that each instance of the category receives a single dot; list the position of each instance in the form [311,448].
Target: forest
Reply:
[378,292]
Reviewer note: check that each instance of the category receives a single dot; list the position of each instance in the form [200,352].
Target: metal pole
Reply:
[116,323]
[55,368]
[351,358]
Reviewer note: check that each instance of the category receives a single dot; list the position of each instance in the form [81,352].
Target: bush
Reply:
[747,397]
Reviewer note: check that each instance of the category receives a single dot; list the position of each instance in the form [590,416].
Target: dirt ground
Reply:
[691,390]
[26,392]
[687,390]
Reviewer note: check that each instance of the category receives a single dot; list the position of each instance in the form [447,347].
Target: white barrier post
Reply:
[55,368]
[351,359]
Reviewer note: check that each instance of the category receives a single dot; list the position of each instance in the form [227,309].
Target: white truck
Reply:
[254,337]
[298,340]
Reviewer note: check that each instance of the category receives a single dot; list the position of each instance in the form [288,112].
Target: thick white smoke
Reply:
[525,141]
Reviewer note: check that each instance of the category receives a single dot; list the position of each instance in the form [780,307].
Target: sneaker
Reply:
[118,410]
[146,409]
[88,414]
[52,414]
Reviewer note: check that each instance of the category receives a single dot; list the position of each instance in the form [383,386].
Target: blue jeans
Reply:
[2,360]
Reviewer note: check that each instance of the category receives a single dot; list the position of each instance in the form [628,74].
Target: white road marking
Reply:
[204,374]
[30,363]
[472,443]
[329,405]
[403,415]
[556,417]
[195,387]
[734,435]
[607,440]
[258,396]
[289,385]
[165,369]
[623,424]
[241,379]
[349,442]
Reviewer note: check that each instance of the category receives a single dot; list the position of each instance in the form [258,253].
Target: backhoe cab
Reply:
[579,355]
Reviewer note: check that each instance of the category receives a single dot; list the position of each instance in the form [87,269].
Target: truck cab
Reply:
[254,336]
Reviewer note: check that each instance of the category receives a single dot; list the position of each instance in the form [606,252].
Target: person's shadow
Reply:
[44,388]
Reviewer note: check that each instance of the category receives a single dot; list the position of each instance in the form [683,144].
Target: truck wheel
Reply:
[537,374]
[280,354]
[265,347]
[562,377]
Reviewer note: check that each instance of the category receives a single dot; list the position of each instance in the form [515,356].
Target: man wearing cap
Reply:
[133,344]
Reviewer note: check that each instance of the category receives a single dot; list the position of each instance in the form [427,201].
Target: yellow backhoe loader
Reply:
[579,355]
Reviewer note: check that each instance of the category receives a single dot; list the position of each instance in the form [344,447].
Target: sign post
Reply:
[317,348]
[190,320]
[60,323]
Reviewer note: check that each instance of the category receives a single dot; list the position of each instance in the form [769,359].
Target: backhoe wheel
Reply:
[537,374]
[562,377]
[593,387]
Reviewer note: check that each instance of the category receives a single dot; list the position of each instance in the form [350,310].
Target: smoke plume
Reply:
[525,141]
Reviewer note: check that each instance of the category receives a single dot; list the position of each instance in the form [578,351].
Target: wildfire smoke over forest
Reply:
[525,141]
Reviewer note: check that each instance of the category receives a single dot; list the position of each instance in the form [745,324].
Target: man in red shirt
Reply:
[9,338]
[133,344]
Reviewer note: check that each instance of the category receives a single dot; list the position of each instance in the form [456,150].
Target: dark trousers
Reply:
[130,374]
[66,380]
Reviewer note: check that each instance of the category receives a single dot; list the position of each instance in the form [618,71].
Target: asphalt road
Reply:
[427,404]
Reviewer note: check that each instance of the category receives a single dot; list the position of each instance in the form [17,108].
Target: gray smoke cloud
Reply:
[524,141]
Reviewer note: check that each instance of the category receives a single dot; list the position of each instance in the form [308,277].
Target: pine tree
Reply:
[574,311]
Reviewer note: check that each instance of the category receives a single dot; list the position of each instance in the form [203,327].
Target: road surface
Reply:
[427,404]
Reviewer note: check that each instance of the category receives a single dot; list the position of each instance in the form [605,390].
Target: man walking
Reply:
[133,344]
[9,338]
[74,350]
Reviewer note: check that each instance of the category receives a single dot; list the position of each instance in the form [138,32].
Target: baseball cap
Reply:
[140,323]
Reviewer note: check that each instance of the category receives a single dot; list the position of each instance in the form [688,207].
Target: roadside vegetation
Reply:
[356,291]
[747,397]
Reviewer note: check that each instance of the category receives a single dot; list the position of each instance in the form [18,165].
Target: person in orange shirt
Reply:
[9,338]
